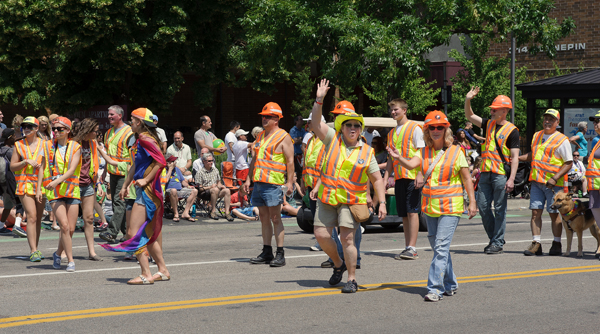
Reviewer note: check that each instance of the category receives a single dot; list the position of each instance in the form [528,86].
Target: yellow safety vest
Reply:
[592,173]
[116,147]
[491,160]
[545,163]
[404,143]
[312,163]
[442,194]
[69,188]
[270,167]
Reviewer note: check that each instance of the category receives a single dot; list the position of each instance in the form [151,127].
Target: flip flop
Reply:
[144,281]
[161,277]
[175,219]
[189,218]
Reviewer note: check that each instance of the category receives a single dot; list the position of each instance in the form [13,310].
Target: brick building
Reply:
[580,50]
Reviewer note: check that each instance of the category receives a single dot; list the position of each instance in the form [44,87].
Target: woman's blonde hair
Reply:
[48,127]
[448,138]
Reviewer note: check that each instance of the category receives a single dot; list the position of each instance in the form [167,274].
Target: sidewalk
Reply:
[517,204]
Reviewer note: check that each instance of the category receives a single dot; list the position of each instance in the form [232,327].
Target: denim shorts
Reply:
[138,196]
[266,194]
[66,200]
[86,191]
[129,204]
[541,195]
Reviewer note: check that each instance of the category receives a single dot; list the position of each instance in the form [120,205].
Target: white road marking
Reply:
[319,254]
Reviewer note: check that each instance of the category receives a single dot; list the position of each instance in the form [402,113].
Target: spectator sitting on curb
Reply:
[247,213]
[211,187]
[178,187]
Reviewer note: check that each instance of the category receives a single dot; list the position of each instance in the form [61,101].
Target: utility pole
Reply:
[512,77]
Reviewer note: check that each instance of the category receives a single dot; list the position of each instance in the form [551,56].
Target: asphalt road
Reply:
[215,290]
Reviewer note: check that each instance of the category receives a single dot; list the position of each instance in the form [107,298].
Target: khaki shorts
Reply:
[332,216]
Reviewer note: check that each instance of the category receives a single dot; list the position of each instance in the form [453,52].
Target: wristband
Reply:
[317,102]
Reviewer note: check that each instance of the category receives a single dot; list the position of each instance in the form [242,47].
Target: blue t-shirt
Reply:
[175,180]
[594,141]
[583,151]
[295,133]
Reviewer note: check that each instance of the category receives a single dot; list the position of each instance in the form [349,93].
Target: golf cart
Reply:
[391,221]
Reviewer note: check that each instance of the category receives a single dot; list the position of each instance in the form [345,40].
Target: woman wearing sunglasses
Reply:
[31,168]
[446,172]
[84,134]
[63,191]
[348,164]
[145,227]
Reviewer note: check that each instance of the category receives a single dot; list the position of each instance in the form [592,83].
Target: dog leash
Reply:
[569,221]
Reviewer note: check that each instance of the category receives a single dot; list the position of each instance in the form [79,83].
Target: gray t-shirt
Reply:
[207,136]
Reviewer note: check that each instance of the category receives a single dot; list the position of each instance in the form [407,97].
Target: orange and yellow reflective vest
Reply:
[269,167]
[544,163]
[592,173]
[344,178]
[406,147]
[313,160]
[491,160]
[69,188]
[116,147]
[27,177]
[443,192]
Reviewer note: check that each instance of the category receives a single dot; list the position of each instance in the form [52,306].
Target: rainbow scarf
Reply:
[149,155]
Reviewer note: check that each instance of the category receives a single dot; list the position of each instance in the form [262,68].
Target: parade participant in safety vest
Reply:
[445,172]
[500,155]
[63,191]
[311,172]
[405,140]
[84,133]
[31,166]
[272,167]
[348,164]
[115,142]
[551,159]
[592,174]
[145,227]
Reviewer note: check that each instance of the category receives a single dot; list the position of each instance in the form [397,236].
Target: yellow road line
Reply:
[272,296]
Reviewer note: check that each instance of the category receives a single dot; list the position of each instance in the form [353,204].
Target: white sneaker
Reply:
[71,267]
[432,297]
[316,247]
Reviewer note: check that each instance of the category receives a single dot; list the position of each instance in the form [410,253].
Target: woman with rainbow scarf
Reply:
[144,230]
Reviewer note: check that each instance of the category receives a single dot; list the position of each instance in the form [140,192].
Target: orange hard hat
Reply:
[501,101]
[436,117]
[271,109]
[343,107]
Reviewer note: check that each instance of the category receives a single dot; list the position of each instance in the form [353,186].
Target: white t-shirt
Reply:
[564,151]
[307,137]
[161,135]
[369,136]
[417,138]
[230,138]
[240,151]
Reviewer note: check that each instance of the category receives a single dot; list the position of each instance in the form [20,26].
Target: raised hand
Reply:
[322,89]
[473,92]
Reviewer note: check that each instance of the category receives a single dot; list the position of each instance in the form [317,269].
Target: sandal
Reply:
[95,258]
[143,281]
[161,277]
[190,219]
[176,219]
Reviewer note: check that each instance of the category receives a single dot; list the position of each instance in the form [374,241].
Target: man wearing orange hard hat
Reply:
[272,171]
[500,155]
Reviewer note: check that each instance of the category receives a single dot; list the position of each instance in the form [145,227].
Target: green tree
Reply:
[68,55]
[376,44]
[492,75]
[304,86]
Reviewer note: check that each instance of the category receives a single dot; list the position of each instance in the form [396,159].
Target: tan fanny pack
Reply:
[360,212]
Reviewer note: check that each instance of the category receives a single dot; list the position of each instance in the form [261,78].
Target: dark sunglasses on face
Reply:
[355,125]
[28,126]
[575,155]
[268,116]
[58,129]
[439,128]
[209,160]
[596,120]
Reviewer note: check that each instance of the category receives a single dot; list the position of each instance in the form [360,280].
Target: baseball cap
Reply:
[6,134]
[310,117]
[553,112]
[241,132]
[145,115]
[64,121]
[171,158]
[595,117]
[155,118]
[31,120]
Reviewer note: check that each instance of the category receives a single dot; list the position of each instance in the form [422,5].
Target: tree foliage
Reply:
[377,44]
[492,75]
[68,55]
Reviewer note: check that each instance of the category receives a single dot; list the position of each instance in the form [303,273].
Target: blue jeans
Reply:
[338,243]
[491,188]
[441,275]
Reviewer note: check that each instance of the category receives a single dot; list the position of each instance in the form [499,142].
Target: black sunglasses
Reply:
[575,155]
[28,126]
[61,129]
[355,125]
[209,160]
[596,120]
[439,128]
